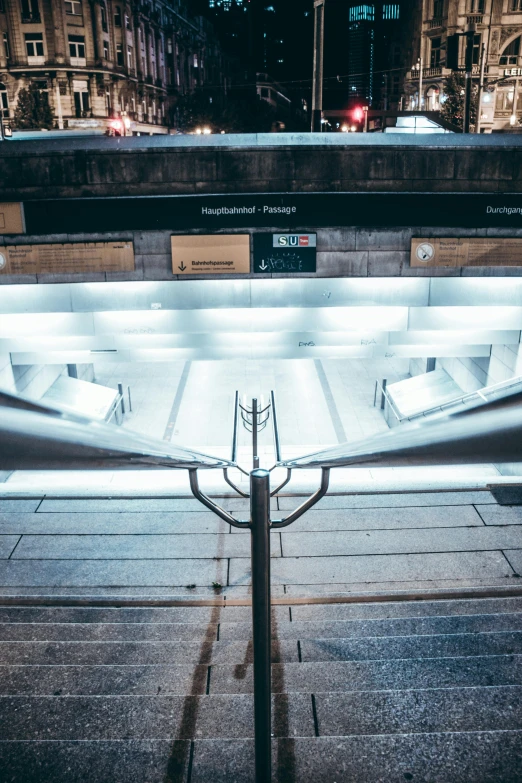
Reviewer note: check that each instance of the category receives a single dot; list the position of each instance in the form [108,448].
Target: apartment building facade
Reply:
[104,59]
[497,38]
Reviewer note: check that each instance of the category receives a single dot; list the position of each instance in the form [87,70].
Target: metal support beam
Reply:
[261,621]
[317,88]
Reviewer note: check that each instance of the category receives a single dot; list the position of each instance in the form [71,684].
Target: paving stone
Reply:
[389,542]
[423,758]
[501,515]
[7,544]
[420,711]
[405,647]
[515,558]
[134,547]
[394,518]
[132,761]
[65,656]
[507,495]
[117,573]
[395,500]
[10,505]
[415,587]
[177,522]
[108,632]
[373,568]
[143,717]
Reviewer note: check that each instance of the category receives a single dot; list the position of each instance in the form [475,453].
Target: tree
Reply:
[32,109]
[452,109]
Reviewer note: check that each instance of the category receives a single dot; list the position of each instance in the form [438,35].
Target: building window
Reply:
[391,11]
[476,6]
[77,49]
[73,7]
[435,52]
[515,5]
[105,50]
[119,54]
[511,53]
[127,22]
[4,101]
[6,47]
[360,13]
[30,11]
[81,98]
[2,7]
[438,9]
[117,16]
[34,46]
[129,57]
[103,12]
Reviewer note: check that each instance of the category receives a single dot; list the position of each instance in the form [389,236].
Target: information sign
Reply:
[285,253]
[466,251]
[211,254]
[11,218]
[80,257]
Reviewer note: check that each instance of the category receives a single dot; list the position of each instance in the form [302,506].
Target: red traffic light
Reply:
[358,114]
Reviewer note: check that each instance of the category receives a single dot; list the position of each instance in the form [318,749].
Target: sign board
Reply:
[467,251]
[11,218]
[285,253]
[271,211]
[80,257]
[211,254]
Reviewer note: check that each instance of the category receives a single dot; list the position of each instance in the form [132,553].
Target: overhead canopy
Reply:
[489,433]
[34,437]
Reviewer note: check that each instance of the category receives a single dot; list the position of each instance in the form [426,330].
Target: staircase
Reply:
[399,691]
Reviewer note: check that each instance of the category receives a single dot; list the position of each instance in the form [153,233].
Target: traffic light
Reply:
[358,114]
[452,52]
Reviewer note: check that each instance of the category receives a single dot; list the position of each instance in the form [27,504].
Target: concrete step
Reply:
[215,630]
[424,758]
[152,653]
[391,627]
[76,680]
[315,612]
[227,717]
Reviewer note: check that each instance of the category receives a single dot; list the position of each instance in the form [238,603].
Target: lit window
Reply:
[362,13]
[34,45]
[391,11]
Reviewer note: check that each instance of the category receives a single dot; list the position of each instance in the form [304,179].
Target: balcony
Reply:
[435,22]
[475,19]
[31,19]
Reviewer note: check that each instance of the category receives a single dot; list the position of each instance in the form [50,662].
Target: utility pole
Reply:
[470,35]
[481,86]
[420,82]
[317,87]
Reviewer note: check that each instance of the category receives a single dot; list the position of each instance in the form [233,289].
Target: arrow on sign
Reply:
[262,265]
[182,267]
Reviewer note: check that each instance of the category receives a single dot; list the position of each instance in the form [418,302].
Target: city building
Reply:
[98,60]
[497,39]
[364,53]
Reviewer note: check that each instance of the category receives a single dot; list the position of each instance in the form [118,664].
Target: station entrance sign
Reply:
[285,253]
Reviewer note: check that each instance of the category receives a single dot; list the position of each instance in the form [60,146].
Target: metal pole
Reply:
[383,395]
[420,82]
[481,87]
[254,433]
[120,392]
[470,35]
[317,87]
[261,626]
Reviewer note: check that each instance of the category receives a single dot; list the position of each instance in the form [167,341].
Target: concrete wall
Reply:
[264,163]
[341,252]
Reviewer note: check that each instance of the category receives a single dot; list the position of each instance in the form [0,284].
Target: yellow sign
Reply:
[11,218]
[467,251]
[211,254]
[80,257]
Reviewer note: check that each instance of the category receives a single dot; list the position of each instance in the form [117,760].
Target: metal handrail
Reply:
[484,393]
